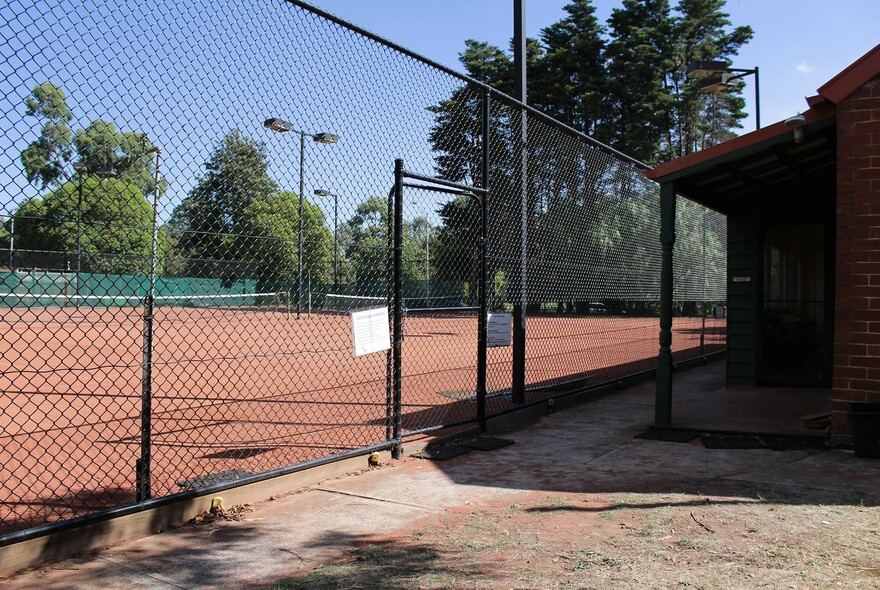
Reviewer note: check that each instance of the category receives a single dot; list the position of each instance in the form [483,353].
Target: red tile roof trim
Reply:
[814,114]
[851,79]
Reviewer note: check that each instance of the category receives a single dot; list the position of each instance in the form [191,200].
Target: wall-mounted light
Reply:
[797,123]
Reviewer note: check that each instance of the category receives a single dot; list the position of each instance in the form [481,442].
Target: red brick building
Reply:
[802,198]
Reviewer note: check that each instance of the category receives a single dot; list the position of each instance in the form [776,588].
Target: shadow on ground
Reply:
[371,563]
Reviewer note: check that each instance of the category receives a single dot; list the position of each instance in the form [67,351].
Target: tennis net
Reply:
[235,301]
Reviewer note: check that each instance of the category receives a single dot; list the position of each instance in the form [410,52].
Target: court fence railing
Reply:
[187,223]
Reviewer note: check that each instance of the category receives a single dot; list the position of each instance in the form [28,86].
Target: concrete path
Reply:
[581,449]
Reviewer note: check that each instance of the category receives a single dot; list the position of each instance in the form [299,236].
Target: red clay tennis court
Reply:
[241,392]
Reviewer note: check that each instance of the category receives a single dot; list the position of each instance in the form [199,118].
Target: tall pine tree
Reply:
[638,57]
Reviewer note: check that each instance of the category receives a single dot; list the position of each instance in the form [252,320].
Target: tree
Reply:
[639,56]
[364,241]
[626,88]
[100,146]
[45,159]
[268,236]
[209,220]
[701,32]
[111,218]
[569,79]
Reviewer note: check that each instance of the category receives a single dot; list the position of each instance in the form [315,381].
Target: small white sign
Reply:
[369,330]
[742,279]
[498,329]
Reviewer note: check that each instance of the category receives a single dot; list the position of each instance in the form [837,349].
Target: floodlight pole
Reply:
[81,169]
[335,243]
[12,243]
[79,198]
[299,247]
[325,193]
[281,126]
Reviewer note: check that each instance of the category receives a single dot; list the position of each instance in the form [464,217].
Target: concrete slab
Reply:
[583,449]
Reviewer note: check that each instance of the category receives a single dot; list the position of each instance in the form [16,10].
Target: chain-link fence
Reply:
[196,197]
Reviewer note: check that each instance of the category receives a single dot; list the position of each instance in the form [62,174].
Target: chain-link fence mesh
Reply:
[196,195]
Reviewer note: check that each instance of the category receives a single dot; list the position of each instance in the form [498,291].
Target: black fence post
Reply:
[143,476]
[482,346]
[389,357]
[397,335]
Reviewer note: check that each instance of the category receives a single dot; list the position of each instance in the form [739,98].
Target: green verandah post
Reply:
[663,398]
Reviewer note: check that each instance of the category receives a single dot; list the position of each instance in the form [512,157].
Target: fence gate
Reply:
[439,336]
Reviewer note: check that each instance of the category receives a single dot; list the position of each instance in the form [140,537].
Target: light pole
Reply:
[324,193]
[281,126]
[12,243]
[717,76]
[428,234]
[81,171]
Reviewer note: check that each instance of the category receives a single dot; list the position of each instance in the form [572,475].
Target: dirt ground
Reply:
[731,535]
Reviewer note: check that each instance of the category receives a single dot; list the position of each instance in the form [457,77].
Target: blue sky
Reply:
[186,72]
[798,44]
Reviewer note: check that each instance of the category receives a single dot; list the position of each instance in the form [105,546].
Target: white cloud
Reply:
[805,68]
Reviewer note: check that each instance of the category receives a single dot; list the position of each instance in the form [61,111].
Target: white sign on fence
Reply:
[498,329]
[369,330]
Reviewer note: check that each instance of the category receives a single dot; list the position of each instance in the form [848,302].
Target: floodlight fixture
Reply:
[279,125]
[716,84]
[706,69]
[325,138]
[718,76]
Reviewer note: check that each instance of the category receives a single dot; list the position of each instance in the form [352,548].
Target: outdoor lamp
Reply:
[279,125]
[325,138]
[717,76]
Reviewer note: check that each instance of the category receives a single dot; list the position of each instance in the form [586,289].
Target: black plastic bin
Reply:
[865,420]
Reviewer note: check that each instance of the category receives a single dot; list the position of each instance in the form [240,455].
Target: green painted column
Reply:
[663,398]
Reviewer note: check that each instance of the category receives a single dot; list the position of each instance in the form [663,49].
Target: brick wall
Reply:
[857,316]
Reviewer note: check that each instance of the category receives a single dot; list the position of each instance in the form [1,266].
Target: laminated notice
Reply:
[369,330]
[498,329]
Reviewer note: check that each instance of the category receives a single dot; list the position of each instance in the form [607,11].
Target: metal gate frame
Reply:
[481,196]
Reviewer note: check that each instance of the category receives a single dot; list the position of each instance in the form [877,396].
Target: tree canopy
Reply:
[209,220]
[110,216]
[269,234]
[624,85]
[100,146]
